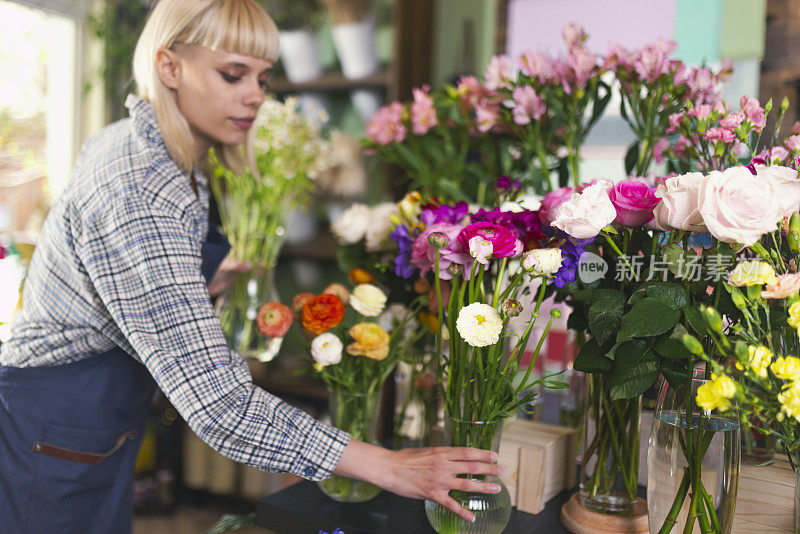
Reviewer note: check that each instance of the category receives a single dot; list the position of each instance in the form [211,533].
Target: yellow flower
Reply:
[794,316]
[752,273]
[716,393]
[411,206]
[790,400]
[371,341]
[787,368]
[760,359]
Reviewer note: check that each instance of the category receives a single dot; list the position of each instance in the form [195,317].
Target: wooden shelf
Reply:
[333,81]
[322,247]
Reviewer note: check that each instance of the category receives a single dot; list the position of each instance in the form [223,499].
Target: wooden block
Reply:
[765,500]
[530,483]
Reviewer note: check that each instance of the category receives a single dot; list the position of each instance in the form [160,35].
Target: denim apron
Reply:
[70,434]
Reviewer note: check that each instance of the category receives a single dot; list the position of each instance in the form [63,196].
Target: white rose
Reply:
[479,324]
[542,261]
[678,206]
[585,214]
[738,207]
[352,225]
[786,184]
[326,349]
[380,225]
[368,300]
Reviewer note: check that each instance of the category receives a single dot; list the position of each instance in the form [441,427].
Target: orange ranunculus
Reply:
[339,290]
[371,341]
[274,319]
[299,301]
[322,313]
[360,276]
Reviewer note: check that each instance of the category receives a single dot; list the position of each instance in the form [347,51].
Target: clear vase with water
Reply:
[492,511]
[692,464]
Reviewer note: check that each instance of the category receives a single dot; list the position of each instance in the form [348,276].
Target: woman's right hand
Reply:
[424,473]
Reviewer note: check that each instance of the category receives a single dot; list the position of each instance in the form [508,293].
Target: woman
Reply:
[118,295]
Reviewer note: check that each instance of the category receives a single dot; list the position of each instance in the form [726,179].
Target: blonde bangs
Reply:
[238,26]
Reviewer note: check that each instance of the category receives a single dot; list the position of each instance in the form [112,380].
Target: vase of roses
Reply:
[479,271]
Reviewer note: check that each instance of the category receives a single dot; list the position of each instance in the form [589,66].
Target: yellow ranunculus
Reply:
[760,360]
[716,393]
[752,273]
[787,368]
[371,341]
[790,400]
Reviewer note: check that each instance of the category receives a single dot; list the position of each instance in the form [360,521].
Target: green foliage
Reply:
[604,318]
[648,317]
[293,14]
[592,359]
[636,367]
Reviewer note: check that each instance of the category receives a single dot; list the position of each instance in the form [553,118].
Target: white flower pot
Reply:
[299,55]
[366,102]
[355,46]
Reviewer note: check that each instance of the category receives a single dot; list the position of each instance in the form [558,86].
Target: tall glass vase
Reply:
[357,414]
[610,453]
[415,410]
[692,463]
[492,511]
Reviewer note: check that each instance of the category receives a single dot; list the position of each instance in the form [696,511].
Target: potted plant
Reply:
[297,20]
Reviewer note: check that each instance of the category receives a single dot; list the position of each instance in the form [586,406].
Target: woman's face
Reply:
[217,92]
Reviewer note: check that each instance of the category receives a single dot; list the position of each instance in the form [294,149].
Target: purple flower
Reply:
[444,214]
[571,252]
[405,241]
[525,224]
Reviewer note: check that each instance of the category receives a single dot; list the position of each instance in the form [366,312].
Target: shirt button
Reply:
[310,471]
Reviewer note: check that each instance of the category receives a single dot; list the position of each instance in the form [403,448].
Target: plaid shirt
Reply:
[118,264]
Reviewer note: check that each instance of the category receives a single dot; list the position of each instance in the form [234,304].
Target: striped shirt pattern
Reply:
[118,264]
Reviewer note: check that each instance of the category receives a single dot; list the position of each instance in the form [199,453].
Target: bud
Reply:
[438,240]
[555,313]
[692,344]
[768,106]
[714,319]
[511,308]
[794,224]
[784,105]
[738,299]
[454,269]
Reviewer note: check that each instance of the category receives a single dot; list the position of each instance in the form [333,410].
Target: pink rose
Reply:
[738,207]
[504,242]
[634,202]
[387,125]
[788,285]
[423,114]
[786,184]
[551,202]
[585,214]
[423,254]
[678,206]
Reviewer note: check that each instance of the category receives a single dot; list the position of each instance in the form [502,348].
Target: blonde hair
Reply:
[238,26]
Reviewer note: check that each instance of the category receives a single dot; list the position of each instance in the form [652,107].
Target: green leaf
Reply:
[577,320]
[672,294]
[591,359]
[677,373]
[635,369]
[696,320]
[632,156]
[672,348]
[673,255]
[604,318]
[649,317]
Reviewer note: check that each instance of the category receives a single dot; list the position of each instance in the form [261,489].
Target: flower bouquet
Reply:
[287,154]
[352,353]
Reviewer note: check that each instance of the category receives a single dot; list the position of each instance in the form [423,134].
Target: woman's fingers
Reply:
[469,454]
[451,504]
[476,468]
[475,486]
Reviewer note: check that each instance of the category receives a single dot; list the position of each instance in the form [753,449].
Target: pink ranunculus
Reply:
[528,105]
[732,120]
[487,113]
[423,254]
[423,114]
[504,242]
[573,35]
[786,184]
[753,112]
[634,202]
[793,142]
[585,214]
[498,73]
[551,202]
[387,125]
[720,134]
[659,148]
[738,207]
[788,285]
[678,206]
[778,154]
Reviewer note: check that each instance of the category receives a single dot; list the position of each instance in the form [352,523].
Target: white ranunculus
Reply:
[481,249]
[479,324]
[786,184]
[351,227]
[380,225]
[678,206]
[368,300]
[585,214]
[326,349]
[542,261]
[738,207]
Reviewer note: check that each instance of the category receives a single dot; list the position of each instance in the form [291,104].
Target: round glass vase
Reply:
[237,310]
[692,464]
[610,453]
[492,511]
[356,414]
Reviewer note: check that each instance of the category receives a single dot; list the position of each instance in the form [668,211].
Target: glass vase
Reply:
[797,502]
[610,449]
[492,511]
[237,310]
[356,414]
[415,410]
[692,464]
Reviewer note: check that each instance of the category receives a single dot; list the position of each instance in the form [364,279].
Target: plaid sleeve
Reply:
[145,266]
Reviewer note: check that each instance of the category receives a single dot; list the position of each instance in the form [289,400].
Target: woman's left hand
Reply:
[225,274]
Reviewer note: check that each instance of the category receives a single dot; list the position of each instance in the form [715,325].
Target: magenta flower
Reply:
[387,125]
[423,254]
[528,106]
[634,201]
[504,243]
[423,114]
[551,202]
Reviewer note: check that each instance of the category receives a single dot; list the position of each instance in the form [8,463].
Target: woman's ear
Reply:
[168,68]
